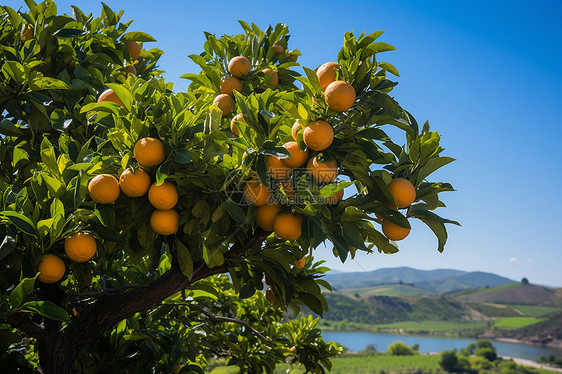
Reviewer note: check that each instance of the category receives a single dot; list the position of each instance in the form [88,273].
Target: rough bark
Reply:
[58,349]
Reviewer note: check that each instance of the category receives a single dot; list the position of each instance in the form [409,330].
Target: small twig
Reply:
[215,318]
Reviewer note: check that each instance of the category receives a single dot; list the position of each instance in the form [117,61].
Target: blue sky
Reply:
[486,74]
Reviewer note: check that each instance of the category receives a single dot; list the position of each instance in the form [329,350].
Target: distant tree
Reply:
[487,352]
[479,363]
[399,349]
[468,350]
[524,281]
[370,348]
[357,295]
[416,347]
[448,360]
[482,343]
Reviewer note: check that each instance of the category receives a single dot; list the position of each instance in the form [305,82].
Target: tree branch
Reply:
[22,322]
[215,318]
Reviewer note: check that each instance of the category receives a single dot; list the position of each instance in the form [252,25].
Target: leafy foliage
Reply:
[56,136]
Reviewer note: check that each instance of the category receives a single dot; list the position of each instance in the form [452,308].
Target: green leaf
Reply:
[20,221]
[236,212]
[389,67]
[137,36]
[123,94]
[332,188]
[47,83]
[431,166]
[184,259]
[378,47]
[340,245]
[48,155]
[182,156]
[372,133]
[15,71]
[22,292]
[46,309]
[70,33]
[9,129]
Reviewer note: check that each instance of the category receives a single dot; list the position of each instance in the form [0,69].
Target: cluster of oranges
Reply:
[238,67]
[319,135]
[149,152]
[105,189]
[339,95]
[80,247]
[404,194]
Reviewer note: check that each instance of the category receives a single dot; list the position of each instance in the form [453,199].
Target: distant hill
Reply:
[433,281]
[525,294]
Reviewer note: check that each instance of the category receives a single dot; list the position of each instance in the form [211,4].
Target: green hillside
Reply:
[407,309]
[522,294]
[387,290]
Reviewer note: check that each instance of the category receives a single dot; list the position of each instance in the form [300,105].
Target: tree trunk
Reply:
[55,357]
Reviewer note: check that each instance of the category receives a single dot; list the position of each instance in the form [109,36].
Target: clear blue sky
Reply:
[486,74]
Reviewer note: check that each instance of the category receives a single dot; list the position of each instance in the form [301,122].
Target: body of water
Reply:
[357,341]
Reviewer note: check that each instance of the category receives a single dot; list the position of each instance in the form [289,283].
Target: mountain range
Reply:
[431,281]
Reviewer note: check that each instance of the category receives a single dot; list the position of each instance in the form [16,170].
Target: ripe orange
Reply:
[225,103]
[298,157]
[265,215]
[322,171]
[134,49]
[229,84]
[278,48]
[393,231]
[318,135]
[340,96]
[27,33]
[80,247]
[110,95]
[51,268]
[104,189]
[403,192]
[134,184]
[239,66]
[276,168]
[233,127]
[300,263]
[288,226]
[271,77]
[387,204]
[335,198]
[130,69]
[164,196]
[256,192]
[296,127]
[165,222]
[269,296]
[327,73]
[149,152]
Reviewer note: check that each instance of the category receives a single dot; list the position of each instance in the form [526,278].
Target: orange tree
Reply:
[121,201]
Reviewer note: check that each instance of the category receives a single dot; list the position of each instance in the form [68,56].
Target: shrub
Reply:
[399,349]
[448,361]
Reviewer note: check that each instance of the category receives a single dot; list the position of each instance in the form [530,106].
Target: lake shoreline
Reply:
[531,341]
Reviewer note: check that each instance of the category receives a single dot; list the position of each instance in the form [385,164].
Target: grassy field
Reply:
[535,310]
[437,326]
[516,322]
[370,365]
